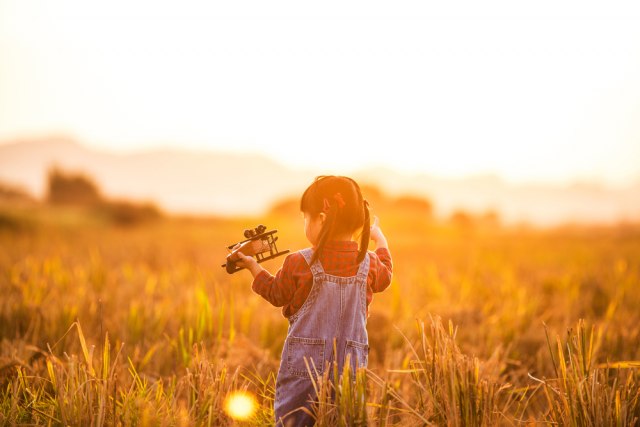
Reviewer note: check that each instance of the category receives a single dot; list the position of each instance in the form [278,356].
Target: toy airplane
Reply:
[259,243]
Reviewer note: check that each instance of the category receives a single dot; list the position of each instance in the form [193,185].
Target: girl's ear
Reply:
[323,217]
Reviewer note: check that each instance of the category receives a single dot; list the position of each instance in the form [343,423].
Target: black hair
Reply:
[340,199]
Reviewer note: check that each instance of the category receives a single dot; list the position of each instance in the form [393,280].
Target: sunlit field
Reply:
[497,142]
[103,323]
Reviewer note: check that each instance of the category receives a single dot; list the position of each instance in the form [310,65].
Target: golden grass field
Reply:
[104,324]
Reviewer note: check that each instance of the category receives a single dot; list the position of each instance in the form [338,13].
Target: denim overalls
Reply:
[336,308]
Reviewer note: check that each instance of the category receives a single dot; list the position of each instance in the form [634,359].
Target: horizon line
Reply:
[598,182]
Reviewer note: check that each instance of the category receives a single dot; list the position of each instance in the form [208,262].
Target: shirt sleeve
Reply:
[278,289]
[383,268]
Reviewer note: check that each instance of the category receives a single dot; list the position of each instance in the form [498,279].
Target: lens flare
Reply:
[240,405]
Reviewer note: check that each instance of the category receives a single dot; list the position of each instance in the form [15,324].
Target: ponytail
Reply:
[366,233]
[325,232]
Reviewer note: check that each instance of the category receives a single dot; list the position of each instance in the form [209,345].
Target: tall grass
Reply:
[93,390]
[101,325]
[454,388]
[341,397]
[586,393]
[446,387]
[442,386]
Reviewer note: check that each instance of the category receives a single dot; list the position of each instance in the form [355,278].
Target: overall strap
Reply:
[316,267]
[363,271]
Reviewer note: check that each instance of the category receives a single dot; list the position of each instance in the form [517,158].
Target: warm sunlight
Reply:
[545,92]
[240,405]
[198,198]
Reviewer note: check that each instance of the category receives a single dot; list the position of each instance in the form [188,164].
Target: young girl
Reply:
[324,291]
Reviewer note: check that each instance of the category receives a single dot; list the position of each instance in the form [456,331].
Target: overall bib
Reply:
[335,310]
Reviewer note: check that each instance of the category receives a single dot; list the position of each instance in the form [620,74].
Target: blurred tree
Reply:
[462,220]
[373,195]
[124,212]
[66,188]
[490,219]
[12,193]
[288,207]
[414,205]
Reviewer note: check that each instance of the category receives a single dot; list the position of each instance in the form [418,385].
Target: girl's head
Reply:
[333,208]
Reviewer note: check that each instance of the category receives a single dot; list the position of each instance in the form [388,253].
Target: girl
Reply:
[324,291]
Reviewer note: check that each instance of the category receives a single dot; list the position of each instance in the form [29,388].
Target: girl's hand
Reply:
[248,262]
[376,234]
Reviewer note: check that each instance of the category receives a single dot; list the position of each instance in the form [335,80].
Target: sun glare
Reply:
[441,78]
[240,405]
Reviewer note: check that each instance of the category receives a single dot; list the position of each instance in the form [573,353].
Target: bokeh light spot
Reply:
[240,405]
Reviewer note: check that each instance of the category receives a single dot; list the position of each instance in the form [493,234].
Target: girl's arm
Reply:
[278,289]
[249,263]
[383,266]
[377,236]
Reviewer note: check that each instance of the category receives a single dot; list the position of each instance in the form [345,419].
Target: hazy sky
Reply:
[531,91]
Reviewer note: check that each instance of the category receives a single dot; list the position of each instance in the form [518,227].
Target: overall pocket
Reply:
[358,354]
[299,349]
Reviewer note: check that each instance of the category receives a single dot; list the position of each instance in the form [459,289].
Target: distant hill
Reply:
[224,183]
[179,181]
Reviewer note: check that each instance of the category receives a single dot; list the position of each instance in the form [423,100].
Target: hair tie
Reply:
[339,200]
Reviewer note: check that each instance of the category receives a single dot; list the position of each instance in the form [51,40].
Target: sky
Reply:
[541,91]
